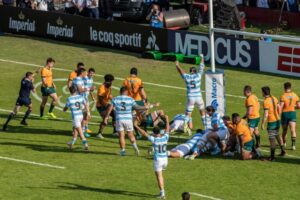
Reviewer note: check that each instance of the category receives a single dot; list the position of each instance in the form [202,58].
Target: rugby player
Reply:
[182,123]
[219,132]
[73,74]
[23,99]
[48,89]
[244,136]
[136,91]
[288,102]
[146,119]
[104,97]
[232,140]
[76,103]
[123,106]
[187,148]
[135,87]
[252,113]
[272,116]
[88,85]
[78,83]
[159,140]
[193,85]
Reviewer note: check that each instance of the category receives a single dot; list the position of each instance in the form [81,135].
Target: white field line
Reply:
[32,163]
[204,196]
[118,78]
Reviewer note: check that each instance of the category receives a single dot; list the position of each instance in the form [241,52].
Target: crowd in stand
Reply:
[88,8]
[289,5]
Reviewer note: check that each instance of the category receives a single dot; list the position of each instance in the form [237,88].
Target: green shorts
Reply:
[46,91]
[273,125]
[253,123]
[287,117]
[248,146]
[102,108]
[149,121]
[140,103]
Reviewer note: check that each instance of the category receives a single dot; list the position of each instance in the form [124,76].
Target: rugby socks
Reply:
[162,193]
[272,153]
[51,108]
[293,141]
[135,146]
[26,115]
[257,139]
[10,116]
[84,142]
[42,111]
[73,141]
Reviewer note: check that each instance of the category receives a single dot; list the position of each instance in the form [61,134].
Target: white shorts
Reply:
[192,101]
[160,164]
[77,121]
[177,125]
[223,135]
[124,125]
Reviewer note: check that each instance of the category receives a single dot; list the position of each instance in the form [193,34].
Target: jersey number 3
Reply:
[123,107]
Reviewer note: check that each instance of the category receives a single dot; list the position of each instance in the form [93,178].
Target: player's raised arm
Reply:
[179,69]
[167,124]
[140,130]
[201,65]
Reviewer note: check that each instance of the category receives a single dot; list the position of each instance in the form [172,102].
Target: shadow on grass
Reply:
[78,187]
[56,149]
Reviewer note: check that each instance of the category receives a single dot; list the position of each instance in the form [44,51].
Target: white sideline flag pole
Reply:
[211,36]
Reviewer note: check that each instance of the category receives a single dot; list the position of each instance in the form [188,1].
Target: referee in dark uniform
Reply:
[23,99]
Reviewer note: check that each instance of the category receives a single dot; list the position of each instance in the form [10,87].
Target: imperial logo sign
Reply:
[60,29]
[21,24]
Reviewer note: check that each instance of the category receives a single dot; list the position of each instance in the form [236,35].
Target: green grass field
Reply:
[101,173]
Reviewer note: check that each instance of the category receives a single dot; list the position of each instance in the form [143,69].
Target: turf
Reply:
[101,173]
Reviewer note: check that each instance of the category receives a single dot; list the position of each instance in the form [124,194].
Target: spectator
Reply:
[50,5]
[69,7]
[92,7]
[8,2]
[40,5]
[262,4]
[80,6]
[266,39]
[155,17]
[25,4]
[292,5]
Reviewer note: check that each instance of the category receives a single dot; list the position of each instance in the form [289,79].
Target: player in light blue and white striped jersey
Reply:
[76,103]
[219,130]
[189,147]
[193,87]
[88,86]
[183,123]
[123,106]
[78,82]
[159,140]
